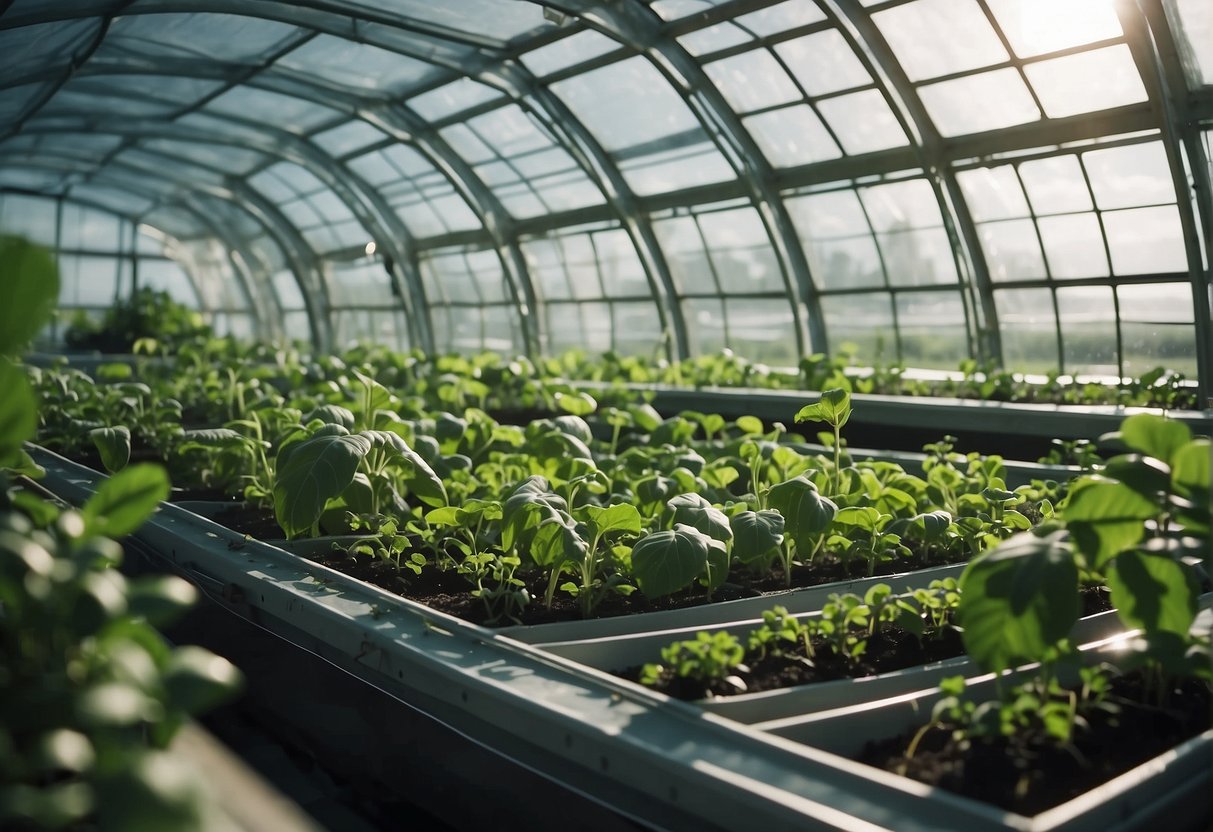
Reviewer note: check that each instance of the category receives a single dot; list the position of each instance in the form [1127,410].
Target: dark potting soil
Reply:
[1029,774]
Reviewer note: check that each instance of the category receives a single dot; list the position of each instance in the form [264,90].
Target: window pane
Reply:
[901,205]
[1125,177]
[1035,27]
[932,329]
[1086,82]
[684,253]
[705,325]
[637,328]
[741,251]
[752,81]
[1073,246]
[939,37]
[763,330]
[918,258]
[979,102]
[846,263]
[1088,325]
[622,273]
[863,122]
[823,62]
[993,193]
[1146,240]
[1012,251]
[864,321]
[1055,185]
[1028,327]
[792,136]
[1156,327]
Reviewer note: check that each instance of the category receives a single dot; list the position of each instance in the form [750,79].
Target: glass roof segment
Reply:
[44,49]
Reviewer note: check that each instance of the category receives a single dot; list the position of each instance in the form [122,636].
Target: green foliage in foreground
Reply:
[90,694]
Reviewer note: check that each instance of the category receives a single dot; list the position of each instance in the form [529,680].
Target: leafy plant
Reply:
[708,658]
[834,408]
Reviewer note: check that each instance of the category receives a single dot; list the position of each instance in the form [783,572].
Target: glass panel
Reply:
[357,65]
[1086,82]
[166,276]
[986,101]
[578,326]
[864,322]
[635,113]
[823,62]
[543,260]
[780,18]
[1125,177]
[688,262]
[40,48]
[918,258]
[29,217]
[763,330]
[792,136]
[1035,27]
[1088,325]
[84,228]
[932,329]
[939,37]
[488,19]
[713,38]
[451,98]
[622,273]
[1028,328]
[1074,246]
[351,136]
[290,296]
[901,205]
[706,331]
[1195,22]
[1156,327]
[485,270]
[837,240]
[752,81]
[218,37]
[283,111]
[993,193]
[862,121]
[740,249]
[1146,240]
[1055,185]
[567,52]
[1012,250]
[845,263]
[87,281]
[636,328]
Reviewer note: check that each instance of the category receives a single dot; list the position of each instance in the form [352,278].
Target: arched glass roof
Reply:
[1024,181]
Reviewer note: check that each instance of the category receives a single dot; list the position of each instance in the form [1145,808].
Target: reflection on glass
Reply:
[752,81]
[1055,185]
[865,322]
[792,136]
[740,249]
[823,62]
[993,193]
[931,328]
[1156,328]
[862,121]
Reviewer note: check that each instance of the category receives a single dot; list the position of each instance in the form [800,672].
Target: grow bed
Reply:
[667,763]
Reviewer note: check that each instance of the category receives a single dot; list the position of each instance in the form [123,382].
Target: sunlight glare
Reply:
[1036,27]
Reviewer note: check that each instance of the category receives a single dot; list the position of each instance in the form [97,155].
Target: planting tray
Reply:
[652,761]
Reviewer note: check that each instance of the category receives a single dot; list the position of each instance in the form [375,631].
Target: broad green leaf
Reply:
[114,445]
[1153,591]
[858,517]
[1144,474]
[445,516]
[420,479]
[1154,435]
[749,425]
[618,518]
[1106,518]
[209,438]
[756,534]
[719,474]
[578,404]
[18,412]
[197,680]
[694,510]
[574,426]
[806,513]
[359,495]
[1190,470]
[125,500]
[332,414]
[529,505]
[316,471]
[928,526]
[29,290]
[160,599]
[667,561]
[1018,600]
[556,543]
[646,417]
[834,408]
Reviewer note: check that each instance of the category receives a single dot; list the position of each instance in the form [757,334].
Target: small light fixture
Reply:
[370,248]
